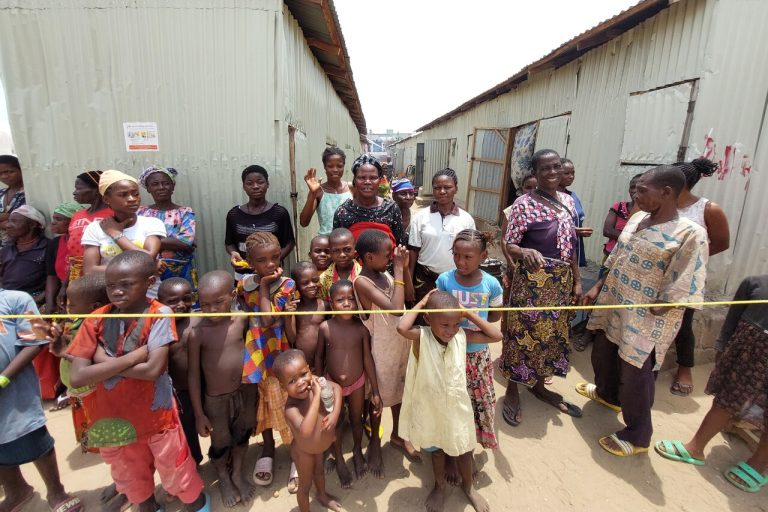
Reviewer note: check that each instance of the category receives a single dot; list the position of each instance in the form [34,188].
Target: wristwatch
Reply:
[118,237]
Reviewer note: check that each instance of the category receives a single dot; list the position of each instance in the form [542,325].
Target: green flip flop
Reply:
[750,476]
[674,450]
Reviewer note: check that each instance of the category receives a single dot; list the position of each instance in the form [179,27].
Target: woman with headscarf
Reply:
[86,192]
[125,230]
[366,209]
[56,260]
[404,195]
[177,248]
[12,196]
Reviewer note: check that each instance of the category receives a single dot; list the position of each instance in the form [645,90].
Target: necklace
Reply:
[551,200]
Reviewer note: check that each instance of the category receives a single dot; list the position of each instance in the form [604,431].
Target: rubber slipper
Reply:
[293,480]
[626,449]
[748,475]
[263,465]
[570,409]
[71,504]
[511,418]
[589,390]
[680,389]
[674,450]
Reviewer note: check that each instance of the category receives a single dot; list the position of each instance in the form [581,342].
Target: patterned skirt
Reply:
[535,343]
[740,379]
[482,395]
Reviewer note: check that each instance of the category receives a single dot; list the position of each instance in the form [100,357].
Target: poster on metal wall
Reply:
[141,136]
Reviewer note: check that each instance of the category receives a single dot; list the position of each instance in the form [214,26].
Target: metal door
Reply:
[419,176]
[437,154]
[488,172]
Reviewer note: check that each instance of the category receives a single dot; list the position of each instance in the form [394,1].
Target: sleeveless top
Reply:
[695,212]
[328,205]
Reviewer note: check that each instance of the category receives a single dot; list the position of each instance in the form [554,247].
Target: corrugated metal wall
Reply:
[709,40]
[213,74]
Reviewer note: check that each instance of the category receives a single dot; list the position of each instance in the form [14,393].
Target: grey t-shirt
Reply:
[20,409]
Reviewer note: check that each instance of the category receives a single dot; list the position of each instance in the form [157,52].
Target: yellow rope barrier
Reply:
[394,311]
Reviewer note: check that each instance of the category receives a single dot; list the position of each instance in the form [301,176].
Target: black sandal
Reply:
[570,409]
[511,418]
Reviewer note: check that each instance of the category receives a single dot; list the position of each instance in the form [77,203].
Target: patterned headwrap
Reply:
[68,209]
[149,171]
[109,178]
[31,213]
[401,184]
[369,160]
[91,178]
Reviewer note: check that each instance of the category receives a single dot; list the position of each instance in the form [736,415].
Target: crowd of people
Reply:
[142,390]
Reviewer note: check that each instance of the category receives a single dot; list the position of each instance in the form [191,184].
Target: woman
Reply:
[86,192]
[617,217]
[257,214]
[566,180]
[12,196]
[541,238]
[22,258]
[124,230]
[366,210]
[710,216]
[326,197]
[432,231]
[404,195]
[57,267]
[177,248]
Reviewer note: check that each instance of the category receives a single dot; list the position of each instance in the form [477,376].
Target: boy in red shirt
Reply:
[135,421]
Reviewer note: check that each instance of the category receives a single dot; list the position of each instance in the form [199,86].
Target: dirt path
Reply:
[550,461]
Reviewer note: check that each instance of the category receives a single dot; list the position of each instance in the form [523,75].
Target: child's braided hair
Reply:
[260,239]
[483,238]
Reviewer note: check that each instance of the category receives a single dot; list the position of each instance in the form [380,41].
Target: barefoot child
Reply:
[176,293]
[375,289]
[24,437]
[135,423]
[313,427]
[343,355]
[302,330]
[344,265]
[738,382]
[475,288]
[227,409]
[320,252]
[266,290]
[437,412]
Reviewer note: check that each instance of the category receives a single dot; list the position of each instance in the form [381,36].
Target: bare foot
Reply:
[375,463]
[452,475]
[361,467]
[345,477]
[411,453]
[329,501]
[246,489]
[16,501]
[229,493]
[478,502]
[436,499]
[329,464]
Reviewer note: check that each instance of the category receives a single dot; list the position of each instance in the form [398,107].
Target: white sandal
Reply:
[293,479]
[263,465]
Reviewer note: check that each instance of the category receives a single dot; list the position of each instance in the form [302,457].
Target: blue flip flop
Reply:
[674,450]
[753,479]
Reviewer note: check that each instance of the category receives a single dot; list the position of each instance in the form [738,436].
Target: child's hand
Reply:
[313,182]
[139,355]
[43,329]
[271,278]
[400,258]
[316,386]
[377,404]
[330,421]
[423,301]
[237,261]
[291,305]
[203,425]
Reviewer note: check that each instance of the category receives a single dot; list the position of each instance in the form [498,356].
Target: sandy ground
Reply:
[550,460]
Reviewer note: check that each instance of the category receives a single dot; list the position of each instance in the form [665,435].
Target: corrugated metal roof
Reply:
[565,53]
[322,30]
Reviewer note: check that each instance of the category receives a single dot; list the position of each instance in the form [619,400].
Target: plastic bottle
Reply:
[326,394]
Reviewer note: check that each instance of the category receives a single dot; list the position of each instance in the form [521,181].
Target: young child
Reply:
[227,409]
[437,413]
[266,290]
[738,383]
[343,265]
[135,423]
[375,289]
[343,355]
[176,293]
[320,252]
[326,197]
[302,330]
[313,427]
[474,289]
[24,437]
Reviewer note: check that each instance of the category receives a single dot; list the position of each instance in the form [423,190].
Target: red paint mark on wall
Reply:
[726,164]
[746,165]
[710,149]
